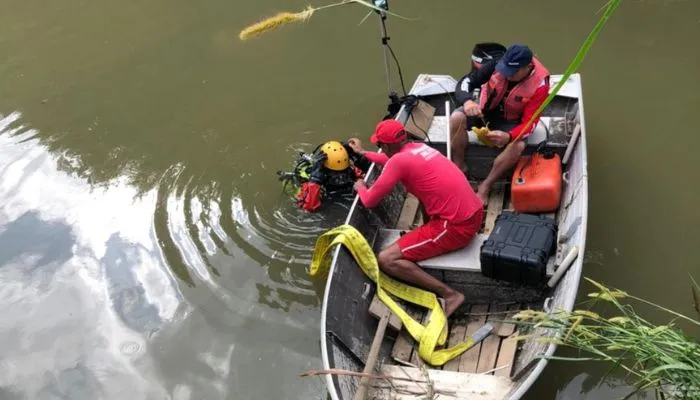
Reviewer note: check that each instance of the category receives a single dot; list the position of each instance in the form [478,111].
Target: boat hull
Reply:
[347,328]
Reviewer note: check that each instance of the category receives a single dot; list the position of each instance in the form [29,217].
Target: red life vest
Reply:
[492,92]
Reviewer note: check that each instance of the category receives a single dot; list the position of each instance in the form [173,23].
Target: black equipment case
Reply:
[518,248]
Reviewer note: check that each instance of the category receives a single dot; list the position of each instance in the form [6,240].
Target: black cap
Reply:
[516,57]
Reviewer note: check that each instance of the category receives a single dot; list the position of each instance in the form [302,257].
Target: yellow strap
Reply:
[429,336]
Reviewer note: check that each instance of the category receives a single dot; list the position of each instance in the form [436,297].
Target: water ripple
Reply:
[187,272]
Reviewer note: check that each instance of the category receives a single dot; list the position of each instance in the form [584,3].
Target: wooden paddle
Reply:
[386,314]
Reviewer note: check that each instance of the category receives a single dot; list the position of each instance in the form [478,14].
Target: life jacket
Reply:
[493,91]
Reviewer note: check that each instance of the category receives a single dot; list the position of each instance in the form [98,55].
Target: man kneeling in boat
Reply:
[504,94]
[454,209]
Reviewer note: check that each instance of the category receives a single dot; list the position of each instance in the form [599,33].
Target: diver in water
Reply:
[327,174]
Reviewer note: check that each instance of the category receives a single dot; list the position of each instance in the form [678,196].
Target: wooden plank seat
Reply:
[462,260]
[479,157]
[438,132]
[466,259]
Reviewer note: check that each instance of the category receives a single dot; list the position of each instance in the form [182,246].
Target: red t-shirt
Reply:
[437,182]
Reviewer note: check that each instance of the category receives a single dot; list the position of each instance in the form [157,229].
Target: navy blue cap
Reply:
[516,57]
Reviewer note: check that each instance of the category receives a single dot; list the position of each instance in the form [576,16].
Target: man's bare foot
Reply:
[452,303]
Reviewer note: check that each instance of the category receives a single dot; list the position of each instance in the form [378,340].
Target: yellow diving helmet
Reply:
[336,156]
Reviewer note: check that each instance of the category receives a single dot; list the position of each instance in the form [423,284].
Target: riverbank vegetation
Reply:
[658,358]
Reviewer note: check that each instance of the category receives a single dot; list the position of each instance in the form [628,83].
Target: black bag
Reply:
[482,53]
[486,51]
[518,248]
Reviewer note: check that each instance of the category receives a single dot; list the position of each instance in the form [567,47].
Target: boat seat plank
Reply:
[477,318]
[438,132]
[466,259]
[445,385]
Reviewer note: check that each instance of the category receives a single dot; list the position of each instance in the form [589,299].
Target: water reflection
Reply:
[201,222]
[39,246]
[116,291]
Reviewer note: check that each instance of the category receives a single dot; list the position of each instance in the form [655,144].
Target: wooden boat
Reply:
[498,367]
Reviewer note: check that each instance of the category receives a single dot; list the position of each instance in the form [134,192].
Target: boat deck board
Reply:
[495,355]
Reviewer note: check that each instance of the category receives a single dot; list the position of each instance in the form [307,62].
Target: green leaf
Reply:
[696,294]
[573,67]
[679,366]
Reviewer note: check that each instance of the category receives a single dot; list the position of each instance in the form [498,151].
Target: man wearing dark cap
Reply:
[454,210]
[504,93]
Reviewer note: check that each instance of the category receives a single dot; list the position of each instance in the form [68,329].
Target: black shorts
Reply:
[493,118]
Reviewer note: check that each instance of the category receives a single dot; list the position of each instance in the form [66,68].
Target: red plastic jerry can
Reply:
[537,182]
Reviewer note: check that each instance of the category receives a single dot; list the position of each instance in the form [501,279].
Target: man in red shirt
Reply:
[454,210]
[505,93]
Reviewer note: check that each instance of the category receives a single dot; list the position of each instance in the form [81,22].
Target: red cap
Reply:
[389,131]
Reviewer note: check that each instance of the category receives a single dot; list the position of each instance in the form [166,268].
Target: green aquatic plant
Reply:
[576,62]
[660,358]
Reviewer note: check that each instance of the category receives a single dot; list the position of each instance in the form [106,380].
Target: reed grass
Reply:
[284,18]
[275,22]
[659,358]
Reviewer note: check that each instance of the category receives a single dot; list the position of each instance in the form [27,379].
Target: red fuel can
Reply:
[537,182]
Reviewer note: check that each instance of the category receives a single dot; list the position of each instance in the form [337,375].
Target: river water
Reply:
[147,250]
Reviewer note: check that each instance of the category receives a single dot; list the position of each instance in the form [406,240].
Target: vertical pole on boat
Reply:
[394,103]
[449,139]
[385,40]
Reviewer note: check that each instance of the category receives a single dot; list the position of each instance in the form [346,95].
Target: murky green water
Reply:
[146,248]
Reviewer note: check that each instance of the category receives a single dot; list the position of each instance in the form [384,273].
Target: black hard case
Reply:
[518,248]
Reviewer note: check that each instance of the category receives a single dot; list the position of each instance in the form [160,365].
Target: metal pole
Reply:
[449,137]
[385,39]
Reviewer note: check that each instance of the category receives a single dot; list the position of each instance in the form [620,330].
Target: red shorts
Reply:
[439,236]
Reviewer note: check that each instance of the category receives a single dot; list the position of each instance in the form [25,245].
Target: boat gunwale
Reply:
[569,301]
